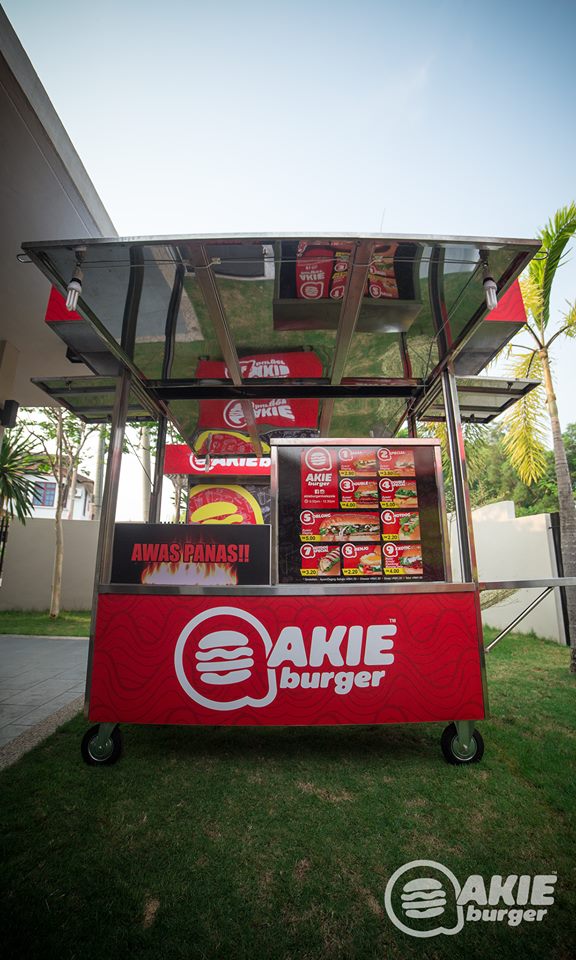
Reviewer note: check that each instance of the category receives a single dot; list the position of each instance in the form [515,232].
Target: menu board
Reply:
[358,511]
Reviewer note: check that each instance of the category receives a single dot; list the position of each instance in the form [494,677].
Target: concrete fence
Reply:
[29,561]
[507,547]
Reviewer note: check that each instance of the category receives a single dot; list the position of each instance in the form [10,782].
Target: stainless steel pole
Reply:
[510,627]
[156,496]
[464,528]
[108,512]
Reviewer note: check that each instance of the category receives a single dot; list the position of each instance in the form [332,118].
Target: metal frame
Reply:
[432,397]
[548,583]
[288,589]
[443,511]
[108,515]
[349,313]
[211,293]
[463,509]
[429,239]
[278,442]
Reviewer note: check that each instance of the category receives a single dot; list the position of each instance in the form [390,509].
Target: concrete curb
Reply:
[12,752]
[39,636]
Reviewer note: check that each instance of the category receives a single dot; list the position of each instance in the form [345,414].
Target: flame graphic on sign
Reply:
[207,574]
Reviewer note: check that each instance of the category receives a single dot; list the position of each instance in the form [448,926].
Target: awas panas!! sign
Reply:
[286,659]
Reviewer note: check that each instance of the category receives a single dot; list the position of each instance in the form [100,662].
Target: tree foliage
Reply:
[62,438]
[18,459]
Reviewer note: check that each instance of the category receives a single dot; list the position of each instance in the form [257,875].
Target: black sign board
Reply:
[176,554]
[358,511]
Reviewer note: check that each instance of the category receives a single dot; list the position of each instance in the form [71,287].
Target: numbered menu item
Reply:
[361,560]
[320,560]
[340,527]
[358,493]
[396,462]
[357,461]
[400,525]
[402,558]
[398,492]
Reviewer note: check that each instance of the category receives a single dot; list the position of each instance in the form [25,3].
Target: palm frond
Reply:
[17,460]
[525,423]
[570,320]
[531,294]
[555,236]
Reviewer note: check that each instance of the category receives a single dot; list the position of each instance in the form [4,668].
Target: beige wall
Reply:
[29,559]
[515,548]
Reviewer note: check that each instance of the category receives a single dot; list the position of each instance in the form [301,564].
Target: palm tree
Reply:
[16,491]
[17,459]
[526,422]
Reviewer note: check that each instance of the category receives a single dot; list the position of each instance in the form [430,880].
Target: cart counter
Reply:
[287,656]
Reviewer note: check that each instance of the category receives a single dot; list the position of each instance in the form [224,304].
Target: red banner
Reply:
[285,660]
[293,364]
[56,311]
[510,307]
[279,412]
[180,458]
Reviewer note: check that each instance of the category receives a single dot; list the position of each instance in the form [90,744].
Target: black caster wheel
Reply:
[453,752]
[94,753]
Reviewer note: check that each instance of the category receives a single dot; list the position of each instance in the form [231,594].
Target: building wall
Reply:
[29,559]
[515,548]
[45,194]
[82,500]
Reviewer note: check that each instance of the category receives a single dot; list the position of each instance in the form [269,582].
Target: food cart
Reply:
[311,581]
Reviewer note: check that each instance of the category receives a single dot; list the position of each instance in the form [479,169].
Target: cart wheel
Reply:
[96,754]
[452,750]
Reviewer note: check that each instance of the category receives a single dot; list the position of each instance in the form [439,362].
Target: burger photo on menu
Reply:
[397,492]
[395,462]
[330,527]
[402,559]
[358,493]
[400,525]
[357,460]
[360,560]
[319,560]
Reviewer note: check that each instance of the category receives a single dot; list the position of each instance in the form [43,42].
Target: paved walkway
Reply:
[39,677]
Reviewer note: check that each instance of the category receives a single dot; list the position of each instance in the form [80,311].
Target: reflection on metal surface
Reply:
[481,399]
[200,259]
[311,280]
[264,289]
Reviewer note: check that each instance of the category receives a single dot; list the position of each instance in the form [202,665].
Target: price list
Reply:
[359,512]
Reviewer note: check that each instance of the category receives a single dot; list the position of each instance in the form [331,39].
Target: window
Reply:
[44,493]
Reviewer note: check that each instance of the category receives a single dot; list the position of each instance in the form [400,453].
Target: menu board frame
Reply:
[349,585]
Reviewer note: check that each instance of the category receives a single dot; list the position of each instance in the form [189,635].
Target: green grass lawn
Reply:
[70,623]
[278,843]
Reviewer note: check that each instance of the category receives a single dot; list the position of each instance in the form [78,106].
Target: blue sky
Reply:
[424,117]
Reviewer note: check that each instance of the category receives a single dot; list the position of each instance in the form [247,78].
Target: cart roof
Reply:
[382,313]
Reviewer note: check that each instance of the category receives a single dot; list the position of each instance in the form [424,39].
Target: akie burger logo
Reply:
[262,369]
[270,409]
[225,658]
[215,464]
[423,898]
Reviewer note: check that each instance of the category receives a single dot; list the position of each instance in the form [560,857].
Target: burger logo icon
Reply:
[421,899]
[224,668]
